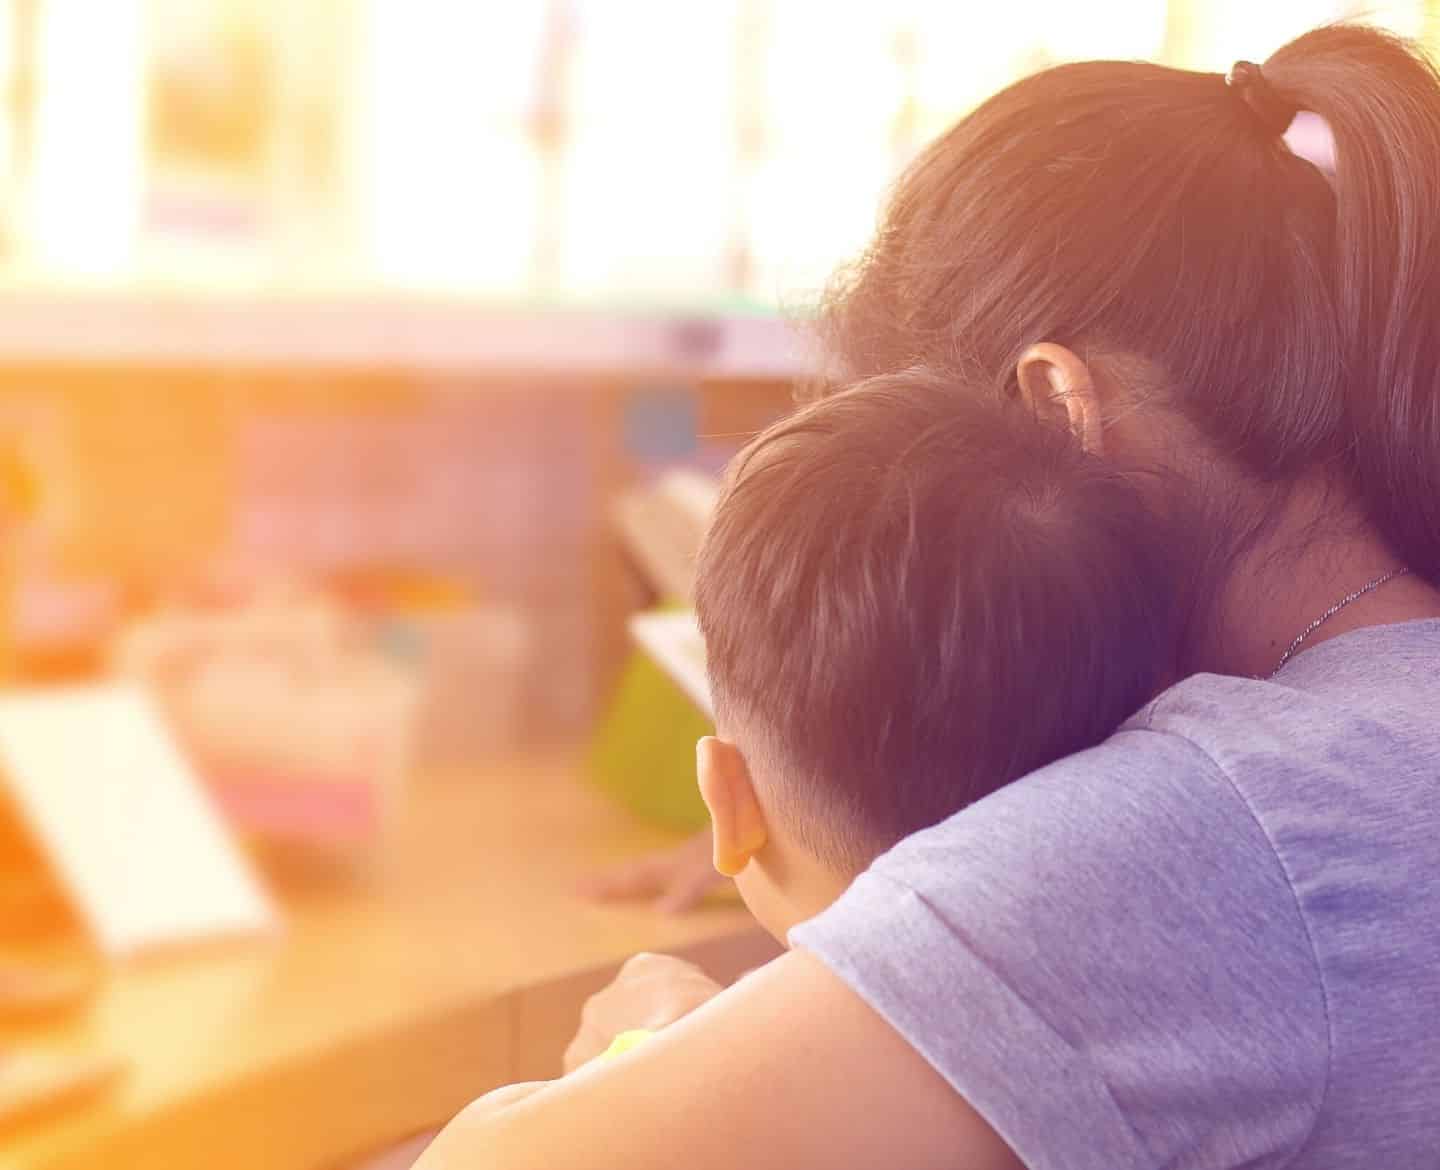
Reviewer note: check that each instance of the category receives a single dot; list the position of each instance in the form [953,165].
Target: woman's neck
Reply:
[1313,556]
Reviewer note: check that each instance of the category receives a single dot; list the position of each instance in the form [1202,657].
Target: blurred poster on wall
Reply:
[210,111]
[243,129]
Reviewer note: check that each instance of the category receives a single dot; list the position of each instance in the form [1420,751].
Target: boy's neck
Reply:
[813,888]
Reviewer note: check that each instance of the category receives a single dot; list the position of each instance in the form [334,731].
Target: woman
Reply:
[1214,940]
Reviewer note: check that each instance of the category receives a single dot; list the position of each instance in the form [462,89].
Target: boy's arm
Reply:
[788,1069]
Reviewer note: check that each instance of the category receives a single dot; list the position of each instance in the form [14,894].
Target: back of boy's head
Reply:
[911,595]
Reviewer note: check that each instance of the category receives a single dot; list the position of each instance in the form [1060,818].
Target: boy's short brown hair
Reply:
[911,596]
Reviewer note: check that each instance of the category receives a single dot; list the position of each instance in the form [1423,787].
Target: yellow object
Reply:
[626,1041]
[643,755]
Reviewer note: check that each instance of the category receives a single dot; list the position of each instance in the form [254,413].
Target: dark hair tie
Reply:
[1248,84]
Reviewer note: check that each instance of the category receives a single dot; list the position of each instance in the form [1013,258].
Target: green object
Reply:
[644,753]
[626,1041]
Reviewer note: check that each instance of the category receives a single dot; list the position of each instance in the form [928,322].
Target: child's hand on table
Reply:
[677,878]
[649,993]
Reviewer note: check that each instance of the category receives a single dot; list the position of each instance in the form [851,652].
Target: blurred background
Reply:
[387,299]
[373,332]
[363,362]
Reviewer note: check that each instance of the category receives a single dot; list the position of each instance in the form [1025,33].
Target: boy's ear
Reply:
[736,818]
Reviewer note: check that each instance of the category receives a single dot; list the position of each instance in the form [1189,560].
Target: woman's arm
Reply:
[788,1069]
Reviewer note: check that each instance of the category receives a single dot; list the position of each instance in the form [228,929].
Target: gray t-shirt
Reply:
[1212,941]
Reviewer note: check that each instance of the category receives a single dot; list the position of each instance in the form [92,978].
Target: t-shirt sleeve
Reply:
[1105,959]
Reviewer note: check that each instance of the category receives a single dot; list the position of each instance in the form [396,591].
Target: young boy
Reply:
[911,597]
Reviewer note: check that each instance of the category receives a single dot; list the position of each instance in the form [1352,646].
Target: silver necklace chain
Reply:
[1368,587]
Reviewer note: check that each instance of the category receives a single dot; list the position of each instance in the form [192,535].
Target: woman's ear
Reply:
[736,819]
[1053,380]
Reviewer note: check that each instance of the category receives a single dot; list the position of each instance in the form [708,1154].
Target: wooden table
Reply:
[386,1006]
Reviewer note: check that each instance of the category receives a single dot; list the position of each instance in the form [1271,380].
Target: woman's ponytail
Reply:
[1381,100]
[1131,209]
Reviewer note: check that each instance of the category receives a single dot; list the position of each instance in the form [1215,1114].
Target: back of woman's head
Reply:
[1127,208]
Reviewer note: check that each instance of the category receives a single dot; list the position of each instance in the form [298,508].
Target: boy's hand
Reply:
[677,879]
[651,992]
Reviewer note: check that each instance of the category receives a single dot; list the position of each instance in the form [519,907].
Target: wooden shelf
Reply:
[390,333]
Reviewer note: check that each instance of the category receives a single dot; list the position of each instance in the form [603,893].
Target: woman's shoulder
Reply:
[1122,917]
[1240,879]
[1151,795]
[1238,796]
[1354,715]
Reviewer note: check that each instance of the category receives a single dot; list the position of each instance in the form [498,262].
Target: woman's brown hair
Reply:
[1129,208]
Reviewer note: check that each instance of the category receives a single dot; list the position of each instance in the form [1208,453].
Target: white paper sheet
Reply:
[674,641]
[126,825]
